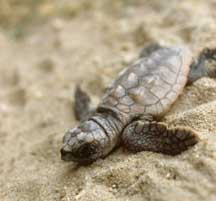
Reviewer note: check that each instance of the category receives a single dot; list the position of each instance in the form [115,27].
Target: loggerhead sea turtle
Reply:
[129,112]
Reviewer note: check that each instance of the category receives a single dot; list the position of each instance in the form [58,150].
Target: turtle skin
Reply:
[130,111]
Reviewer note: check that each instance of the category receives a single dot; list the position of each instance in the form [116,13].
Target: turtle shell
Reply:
[150,85]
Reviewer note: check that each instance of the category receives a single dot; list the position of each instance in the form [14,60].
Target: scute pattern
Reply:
[152,84]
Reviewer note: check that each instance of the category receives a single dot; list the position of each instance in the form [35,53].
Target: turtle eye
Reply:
[87,150]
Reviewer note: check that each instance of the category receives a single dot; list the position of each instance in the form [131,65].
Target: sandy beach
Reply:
[49,47]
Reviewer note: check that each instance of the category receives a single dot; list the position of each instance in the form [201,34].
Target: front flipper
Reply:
[82,105]
[157,137]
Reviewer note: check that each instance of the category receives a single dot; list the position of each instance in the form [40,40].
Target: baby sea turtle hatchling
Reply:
[129,112]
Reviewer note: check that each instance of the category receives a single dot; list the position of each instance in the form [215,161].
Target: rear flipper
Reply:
[149,49]
[82,105]
[156,137]
[199,68]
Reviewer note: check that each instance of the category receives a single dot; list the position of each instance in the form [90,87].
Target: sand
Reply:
[38,73]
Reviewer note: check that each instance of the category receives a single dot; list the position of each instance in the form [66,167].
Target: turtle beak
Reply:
[66,154]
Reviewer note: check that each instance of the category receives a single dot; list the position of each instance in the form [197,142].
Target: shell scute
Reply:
[151,85]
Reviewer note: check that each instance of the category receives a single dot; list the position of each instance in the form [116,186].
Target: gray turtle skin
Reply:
[129,112]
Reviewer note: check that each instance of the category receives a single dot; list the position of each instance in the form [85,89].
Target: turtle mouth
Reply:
[83,161]
[66,156]
[69,156]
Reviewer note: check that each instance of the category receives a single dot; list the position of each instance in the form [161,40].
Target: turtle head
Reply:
[81,144]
